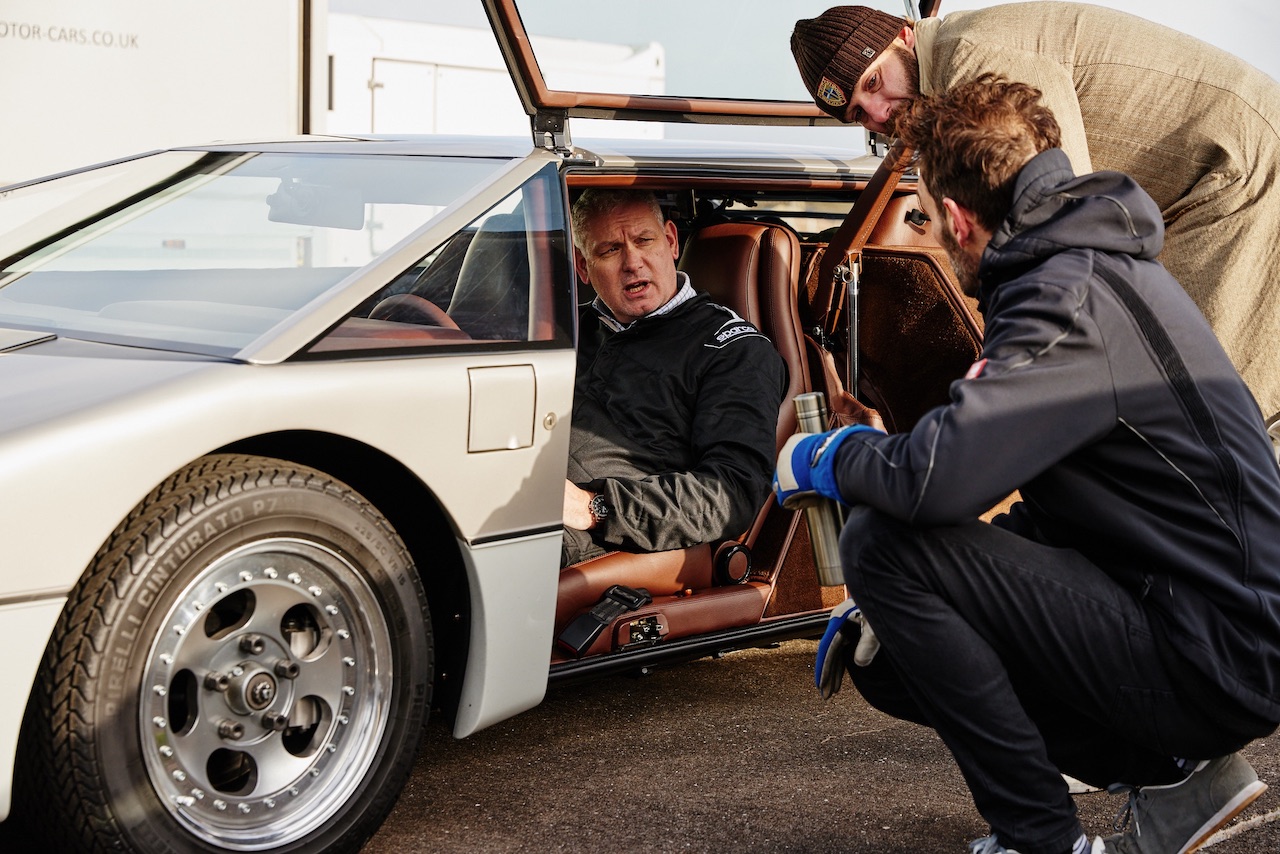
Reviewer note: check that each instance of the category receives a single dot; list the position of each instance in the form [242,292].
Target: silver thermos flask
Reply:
[825,517]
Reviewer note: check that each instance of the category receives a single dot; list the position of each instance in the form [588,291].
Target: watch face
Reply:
[599,509]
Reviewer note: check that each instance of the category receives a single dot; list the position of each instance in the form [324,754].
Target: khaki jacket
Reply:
[1198,128]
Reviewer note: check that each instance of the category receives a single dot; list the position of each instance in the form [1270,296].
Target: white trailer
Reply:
[83,81]
[392,76]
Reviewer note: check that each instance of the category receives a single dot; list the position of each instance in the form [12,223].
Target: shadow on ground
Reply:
[731,754]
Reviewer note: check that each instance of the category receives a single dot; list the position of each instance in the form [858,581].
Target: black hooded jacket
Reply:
[1104,397]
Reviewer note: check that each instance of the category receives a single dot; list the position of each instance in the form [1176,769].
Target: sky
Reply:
[1251,30]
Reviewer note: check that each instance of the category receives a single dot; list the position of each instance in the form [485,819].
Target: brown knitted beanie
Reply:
[833,49]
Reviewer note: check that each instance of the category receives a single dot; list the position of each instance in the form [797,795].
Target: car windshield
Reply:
[205,251]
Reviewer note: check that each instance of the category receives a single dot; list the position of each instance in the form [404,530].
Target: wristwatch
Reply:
[599,509]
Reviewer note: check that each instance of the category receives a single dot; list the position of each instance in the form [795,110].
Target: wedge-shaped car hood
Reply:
[51,380]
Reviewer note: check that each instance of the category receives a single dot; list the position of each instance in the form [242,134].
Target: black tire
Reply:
[242,595]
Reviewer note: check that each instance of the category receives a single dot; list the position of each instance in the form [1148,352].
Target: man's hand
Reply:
[577,507]
[846,626]
[793,484]
[806,467]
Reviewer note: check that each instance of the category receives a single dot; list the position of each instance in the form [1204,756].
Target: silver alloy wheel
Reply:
[266,694]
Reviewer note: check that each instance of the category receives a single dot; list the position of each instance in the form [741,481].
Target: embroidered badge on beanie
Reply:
[831,93]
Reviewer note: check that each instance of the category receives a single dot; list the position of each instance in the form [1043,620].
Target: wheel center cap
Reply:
[260,691]
[252,688]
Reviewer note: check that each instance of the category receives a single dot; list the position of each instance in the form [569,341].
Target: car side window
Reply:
[502,279]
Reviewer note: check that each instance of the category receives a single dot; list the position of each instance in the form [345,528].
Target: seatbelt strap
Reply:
[845,248]
[840,268]
[617,600]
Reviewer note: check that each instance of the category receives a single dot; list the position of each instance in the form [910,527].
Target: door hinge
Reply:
[551,131]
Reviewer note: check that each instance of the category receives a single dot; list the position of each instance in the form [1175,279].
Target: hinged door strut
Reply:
[551,131]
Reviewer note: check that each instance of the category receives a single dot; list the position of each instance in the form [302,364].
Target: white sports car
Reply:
[283,438]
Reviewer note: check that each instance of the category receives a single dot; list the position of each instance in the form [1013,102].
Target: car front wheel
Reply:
[246,666]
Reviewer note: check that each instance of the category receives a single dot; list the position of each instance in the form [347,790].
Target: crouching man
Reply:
[675,409]
[1121,624]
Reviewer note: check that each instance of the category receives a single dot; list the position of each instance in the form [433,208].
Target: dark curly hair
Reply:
[971,142]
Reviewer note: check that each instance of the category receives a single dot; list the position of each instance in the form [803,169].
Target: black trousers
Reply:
[1029,662]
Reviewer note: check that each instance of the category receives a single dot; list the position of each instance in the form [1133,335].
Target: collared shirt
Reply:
[683,294]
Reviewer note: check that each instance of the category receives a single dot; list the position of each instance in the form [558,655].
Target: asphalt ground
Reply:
[734,754]
[731,754]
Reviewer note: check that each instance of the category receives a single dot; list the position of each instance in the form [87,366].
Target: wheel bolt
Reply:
[287,669]
[231,730]
[252,644]
[216,681]
[274,721]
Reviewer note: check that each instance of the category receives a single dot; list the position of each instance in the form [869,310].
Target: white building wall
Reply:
[83,81]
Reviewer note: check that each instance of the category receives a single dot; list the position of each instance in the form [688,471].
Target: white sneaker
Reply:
[989,845]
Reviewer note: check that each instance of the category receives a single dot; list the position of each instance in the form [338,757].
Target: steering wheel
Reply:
[411,308]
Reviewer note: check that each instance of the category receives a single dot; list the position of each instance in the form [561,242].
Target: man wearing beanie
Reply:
[1118,624]
[1195,126]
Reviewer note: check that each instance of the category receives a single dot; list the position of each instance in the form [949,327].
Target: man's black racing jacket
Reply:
[674,422]
[1104,397]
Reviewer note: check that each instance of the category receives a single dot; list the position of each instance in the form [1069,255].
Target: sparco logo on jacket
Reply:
[731,333]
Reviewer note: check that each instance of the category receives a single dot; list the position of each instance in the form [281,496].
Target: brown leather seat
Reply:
[752,268]
[661,573]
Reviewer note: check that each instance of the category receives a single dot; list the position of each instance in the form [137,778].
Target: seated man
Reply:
[676,402]
[1119,624]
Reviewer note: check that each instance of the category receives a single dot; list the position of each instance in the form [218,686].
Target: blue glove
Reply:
[846,626]
[806,467]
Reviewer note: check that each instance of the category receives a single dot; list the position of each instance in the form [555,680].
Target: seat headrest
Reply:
[491,300]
